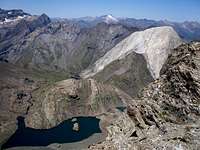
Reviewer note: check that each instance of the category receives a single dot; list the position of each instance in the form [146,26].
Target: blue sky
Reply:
[173,10]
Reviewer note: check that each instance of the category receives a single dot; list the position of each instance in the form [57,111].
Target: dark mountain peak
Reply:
[38,21]
[12,14]
[45,19]
[44,16]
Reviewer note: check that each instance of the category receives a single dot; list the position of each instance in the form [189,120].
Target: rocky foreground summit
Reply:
[166,114]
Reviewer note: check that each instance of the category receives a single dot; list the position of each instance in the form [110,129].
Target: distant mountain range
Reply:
[188,30]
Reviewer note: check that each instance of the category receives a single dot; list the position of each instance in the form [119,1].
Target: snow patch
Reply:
[10,12]
[7,20]
[110,19]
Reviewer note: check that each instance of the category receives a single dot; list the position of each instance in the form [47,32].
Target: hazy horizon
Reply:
[178,11]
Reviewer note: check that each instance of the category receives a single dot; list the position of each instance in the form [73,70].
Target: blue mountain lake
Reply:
[63,133]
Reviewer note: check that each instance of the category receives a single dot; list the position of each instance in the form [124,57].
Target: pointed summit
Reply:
[109,19]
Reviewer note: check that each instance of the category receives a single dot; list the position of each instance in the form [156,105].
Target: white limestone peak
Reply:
[155,44]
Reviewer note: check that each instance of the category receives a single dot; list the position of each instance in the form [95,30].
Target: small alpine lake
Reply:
[63,133]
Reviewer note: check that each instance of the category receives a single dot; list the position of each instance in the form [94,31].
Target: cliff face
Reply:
[166,114]
[13,34]
[70,98]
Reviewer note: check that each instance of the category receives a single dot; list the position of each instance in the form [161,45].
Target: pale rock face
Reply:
[75,126]
[154,43]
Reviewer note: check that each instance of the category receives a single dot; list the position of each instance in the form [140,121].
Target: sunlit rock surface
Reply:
[154,43]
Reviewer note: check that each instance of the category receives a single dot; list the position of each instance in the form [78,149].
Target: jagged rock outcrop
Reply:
[166,114]
[119,131]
